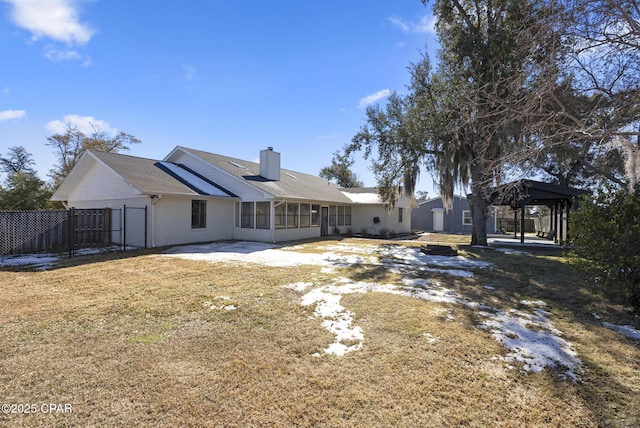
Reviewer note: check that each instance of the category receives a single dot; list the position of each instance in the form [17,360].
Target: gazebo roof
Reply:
[530,192]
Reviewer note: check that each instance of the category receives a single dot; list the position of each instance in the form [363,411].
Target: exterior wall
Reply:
[295,234]
[100,183]
[135,232]
[245,234]
[393,222]
[280,235]
[171,219]
[363,216]
[422,217]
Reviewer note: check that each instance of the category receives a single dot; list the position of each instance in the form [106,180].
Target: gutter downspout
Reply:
[154,201]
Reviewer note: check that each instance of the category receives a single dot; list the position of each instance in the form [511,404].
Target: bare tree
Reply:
[605,63]
[71,145]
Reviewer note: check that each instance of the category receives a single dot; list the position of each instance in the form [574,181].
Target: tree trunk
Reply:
[478,208]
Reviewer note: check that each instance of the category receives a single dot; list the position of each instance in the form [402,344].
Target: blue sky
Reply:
[230,77]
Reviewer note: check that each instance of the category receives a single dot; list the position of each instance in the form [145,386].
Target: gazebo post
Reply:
[555,222]
[522,223]
[568,214]
[515,224]
[561,221]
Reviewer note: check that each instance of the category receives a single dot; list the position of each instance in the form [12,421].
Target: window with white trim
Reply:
[466,218]
[280,218]
[198,214]
[332,215]
[340,215]
[263,215]
[292,215]
[305,215]
[247,219]
[315,215]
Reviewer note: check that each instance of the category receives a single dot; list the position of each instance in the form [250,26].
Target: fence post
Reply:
[145,225]
[124,228]
[106,227]
[71,235]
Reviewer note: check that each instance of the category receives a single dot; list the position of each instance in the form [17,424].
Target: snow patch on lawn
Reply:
[45,261]
[625,330]
[36,261]
[532,339]
[528,334]
[219,304]
[398,258]
[513,251]
[339,321]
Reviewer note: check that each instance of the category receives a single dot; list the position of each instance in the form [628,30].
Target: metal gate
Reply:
[134,227]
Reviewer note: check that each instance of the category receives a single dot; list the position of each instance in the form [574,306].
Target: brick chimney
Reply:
[270,164]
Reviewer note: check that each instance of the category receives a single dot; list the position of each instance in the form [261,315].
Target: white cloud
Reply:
[85,124]
[426,24]
[6,91]
[56,55]
[373,98]
[55,19]
[12,114]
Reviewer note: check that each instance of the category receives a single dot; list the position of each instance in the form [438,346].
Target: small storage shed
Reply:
[432,216]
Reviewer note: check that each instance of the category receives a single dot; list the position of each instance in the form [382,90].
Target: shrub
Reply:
[606,241]
[364,231]
[384,232]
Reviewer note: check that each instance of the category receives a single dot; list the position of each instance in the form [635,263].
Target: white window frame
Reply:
[464,216]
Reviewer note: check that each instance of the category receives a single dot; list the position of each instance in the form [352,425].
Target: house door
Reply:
[324,221]
[438,220]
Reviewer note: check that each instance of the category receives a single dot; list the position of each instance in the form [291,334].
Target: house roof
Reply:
[425,201]
[292,184]
[149,176]
[362,195]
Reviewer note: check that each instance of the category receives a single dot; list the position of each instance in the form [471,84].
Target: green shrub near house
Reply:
[605,234]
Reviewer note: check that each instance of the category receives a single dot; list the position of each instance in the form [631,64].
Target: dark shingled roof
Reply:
[531,192]
[292,184]
[146,174]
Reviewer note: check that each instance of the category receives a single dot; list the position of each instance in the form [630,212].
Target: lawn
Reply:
[335,333]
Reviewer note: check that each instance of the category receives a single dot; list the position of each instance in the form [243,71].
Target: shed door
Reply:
[438,220]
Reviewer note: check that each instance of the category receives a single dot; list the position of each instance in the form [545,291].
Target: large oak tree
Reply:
[474,115]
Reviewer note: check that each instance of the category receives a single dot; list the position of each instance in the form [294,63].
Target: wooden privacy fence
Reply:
[91,227]
[25,232]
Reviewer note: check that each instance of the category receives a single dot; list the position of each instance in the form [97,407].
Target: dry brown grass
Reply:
[128,342]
